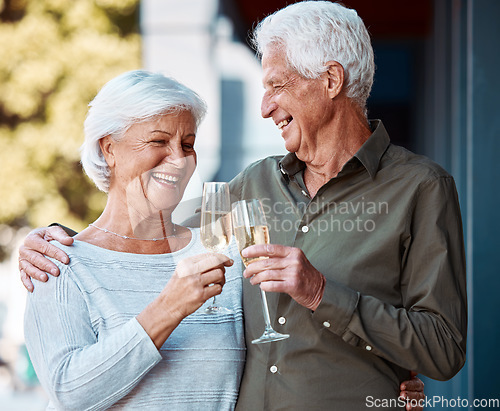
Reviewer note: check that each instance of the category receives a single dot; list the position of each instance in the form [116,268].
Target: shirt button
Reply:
[326,324]
[282,320]
[368,348]
[305,229]
[273,369]
[304,192]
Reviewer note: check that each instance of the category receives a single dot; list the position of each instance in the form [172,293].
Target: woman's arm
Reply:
[77,369]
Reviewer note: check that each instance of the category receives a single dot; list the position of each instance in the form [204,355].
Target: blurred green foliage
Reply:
[54,57]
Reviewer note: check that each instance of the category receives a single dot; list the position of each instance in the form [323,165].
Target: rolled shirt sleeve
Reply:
[428,333]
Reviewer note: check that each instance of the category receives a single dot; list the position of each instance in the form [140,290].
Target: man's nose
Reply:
[267,106]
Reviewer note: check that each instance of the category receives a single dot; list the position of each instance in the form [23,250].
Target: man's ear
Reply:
[107,145]
[335,74]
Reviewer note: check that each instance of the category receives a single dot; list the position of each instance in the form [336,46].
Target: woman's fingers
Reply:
[202,263]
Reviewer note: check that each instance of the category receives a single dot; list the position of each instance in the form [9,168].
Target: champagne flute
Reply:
[250,228]
[216,228]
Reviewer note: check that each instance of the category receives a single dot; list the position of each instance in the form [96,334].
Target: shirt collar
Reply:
[369,154]
[373,149]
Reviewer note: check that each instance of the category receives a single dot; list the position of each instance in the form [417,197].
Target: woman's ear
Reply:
[335,75]
[107,145]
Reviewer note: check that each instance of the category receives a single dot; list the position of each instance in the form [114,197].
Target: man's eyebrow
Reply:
[269,82]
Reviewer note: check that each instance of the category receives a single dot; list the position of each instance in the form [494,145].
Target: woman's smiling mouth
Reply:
[164,178]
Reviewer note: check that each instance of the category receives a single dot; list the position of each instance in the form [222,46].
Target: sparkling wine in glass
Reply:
[216,228]
[250,228]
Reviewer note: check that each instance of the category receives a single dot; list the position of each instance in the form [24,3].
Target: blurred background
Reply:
[436,89]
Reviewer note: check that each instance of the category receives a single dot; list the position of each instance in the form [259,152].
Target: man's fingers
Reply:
[258,270]
[58,234]
[414,384]
[273,286]
[35,264]
[413,391]
[414,400]
[26,280]
[33,272]
[41,246]
[265,250]
[54,252]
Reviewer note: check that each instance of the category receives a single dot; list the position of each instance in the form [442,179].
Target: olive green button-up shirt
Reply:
[387,235]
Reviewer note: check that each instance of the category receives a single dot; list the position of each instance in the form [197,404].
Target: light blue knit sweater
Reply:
[90,352]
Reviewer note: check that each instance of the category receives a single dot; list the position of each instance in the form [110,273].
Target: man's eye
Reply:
[188,147]
[159,141]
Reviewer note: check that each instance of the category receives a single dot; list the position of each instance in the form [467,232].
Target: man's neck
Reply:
[347,133]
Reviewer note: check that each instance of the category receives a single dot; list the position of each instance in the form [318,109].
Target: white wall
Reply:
[188,40]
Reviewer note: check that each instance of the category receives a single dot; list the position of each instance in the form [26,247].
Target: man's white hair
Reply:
[312,33]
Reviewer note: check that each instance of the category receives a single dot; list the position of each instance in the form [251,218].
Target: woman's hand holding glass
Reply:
[195,280]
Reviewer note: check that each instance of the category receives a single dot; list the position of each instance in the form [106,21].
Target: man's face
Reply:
[300,107]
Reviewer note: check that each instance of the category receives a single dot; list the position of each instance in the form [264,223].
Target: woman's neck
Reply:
[122,228]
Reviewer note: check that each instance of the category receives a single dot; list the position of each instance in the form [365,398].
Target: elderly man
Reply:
[366,268]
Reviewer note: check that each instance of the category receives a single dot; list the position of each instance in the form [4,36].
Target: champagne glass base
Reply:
[214,310]
[270,336]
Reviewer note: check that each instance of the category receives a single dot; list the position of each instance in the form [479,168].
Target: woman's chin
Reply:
[166,199]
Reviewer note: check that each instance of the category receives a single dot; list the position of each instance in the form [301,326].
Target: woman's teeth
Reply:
[165,178]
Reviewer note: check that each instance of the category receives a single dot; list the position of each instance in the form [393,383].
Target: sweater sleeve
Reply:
[77,368]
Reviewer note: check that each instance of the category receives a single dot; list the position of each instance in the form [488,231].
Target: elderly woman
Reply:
[122,326]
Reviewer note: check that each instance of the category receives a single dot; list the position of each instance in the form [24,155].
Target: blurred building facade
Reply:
[436,89]
[194,41]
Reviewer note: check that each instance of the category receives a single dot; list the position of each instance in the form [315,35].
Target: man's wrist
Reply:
[319,294]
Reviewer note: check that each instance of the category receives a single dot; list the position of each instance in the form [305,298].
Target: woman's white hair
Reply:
[133,97]
[314,32]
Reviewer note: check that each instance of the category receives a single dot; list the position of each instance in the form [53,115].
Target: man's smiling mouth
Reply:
[283,123]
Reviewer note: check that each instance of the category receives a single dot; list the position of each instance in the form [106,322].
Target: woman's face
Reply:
[154,161]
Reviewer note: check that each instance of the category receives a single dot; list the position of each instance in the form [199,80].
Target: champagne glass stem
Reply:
[265,310]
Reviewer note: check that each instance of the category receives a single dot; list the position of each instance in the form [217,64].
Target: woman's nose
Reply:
[176,156]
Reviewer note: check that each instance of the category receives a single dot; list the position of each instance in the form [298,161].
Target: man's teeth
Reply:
[282,124]
[166,178]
